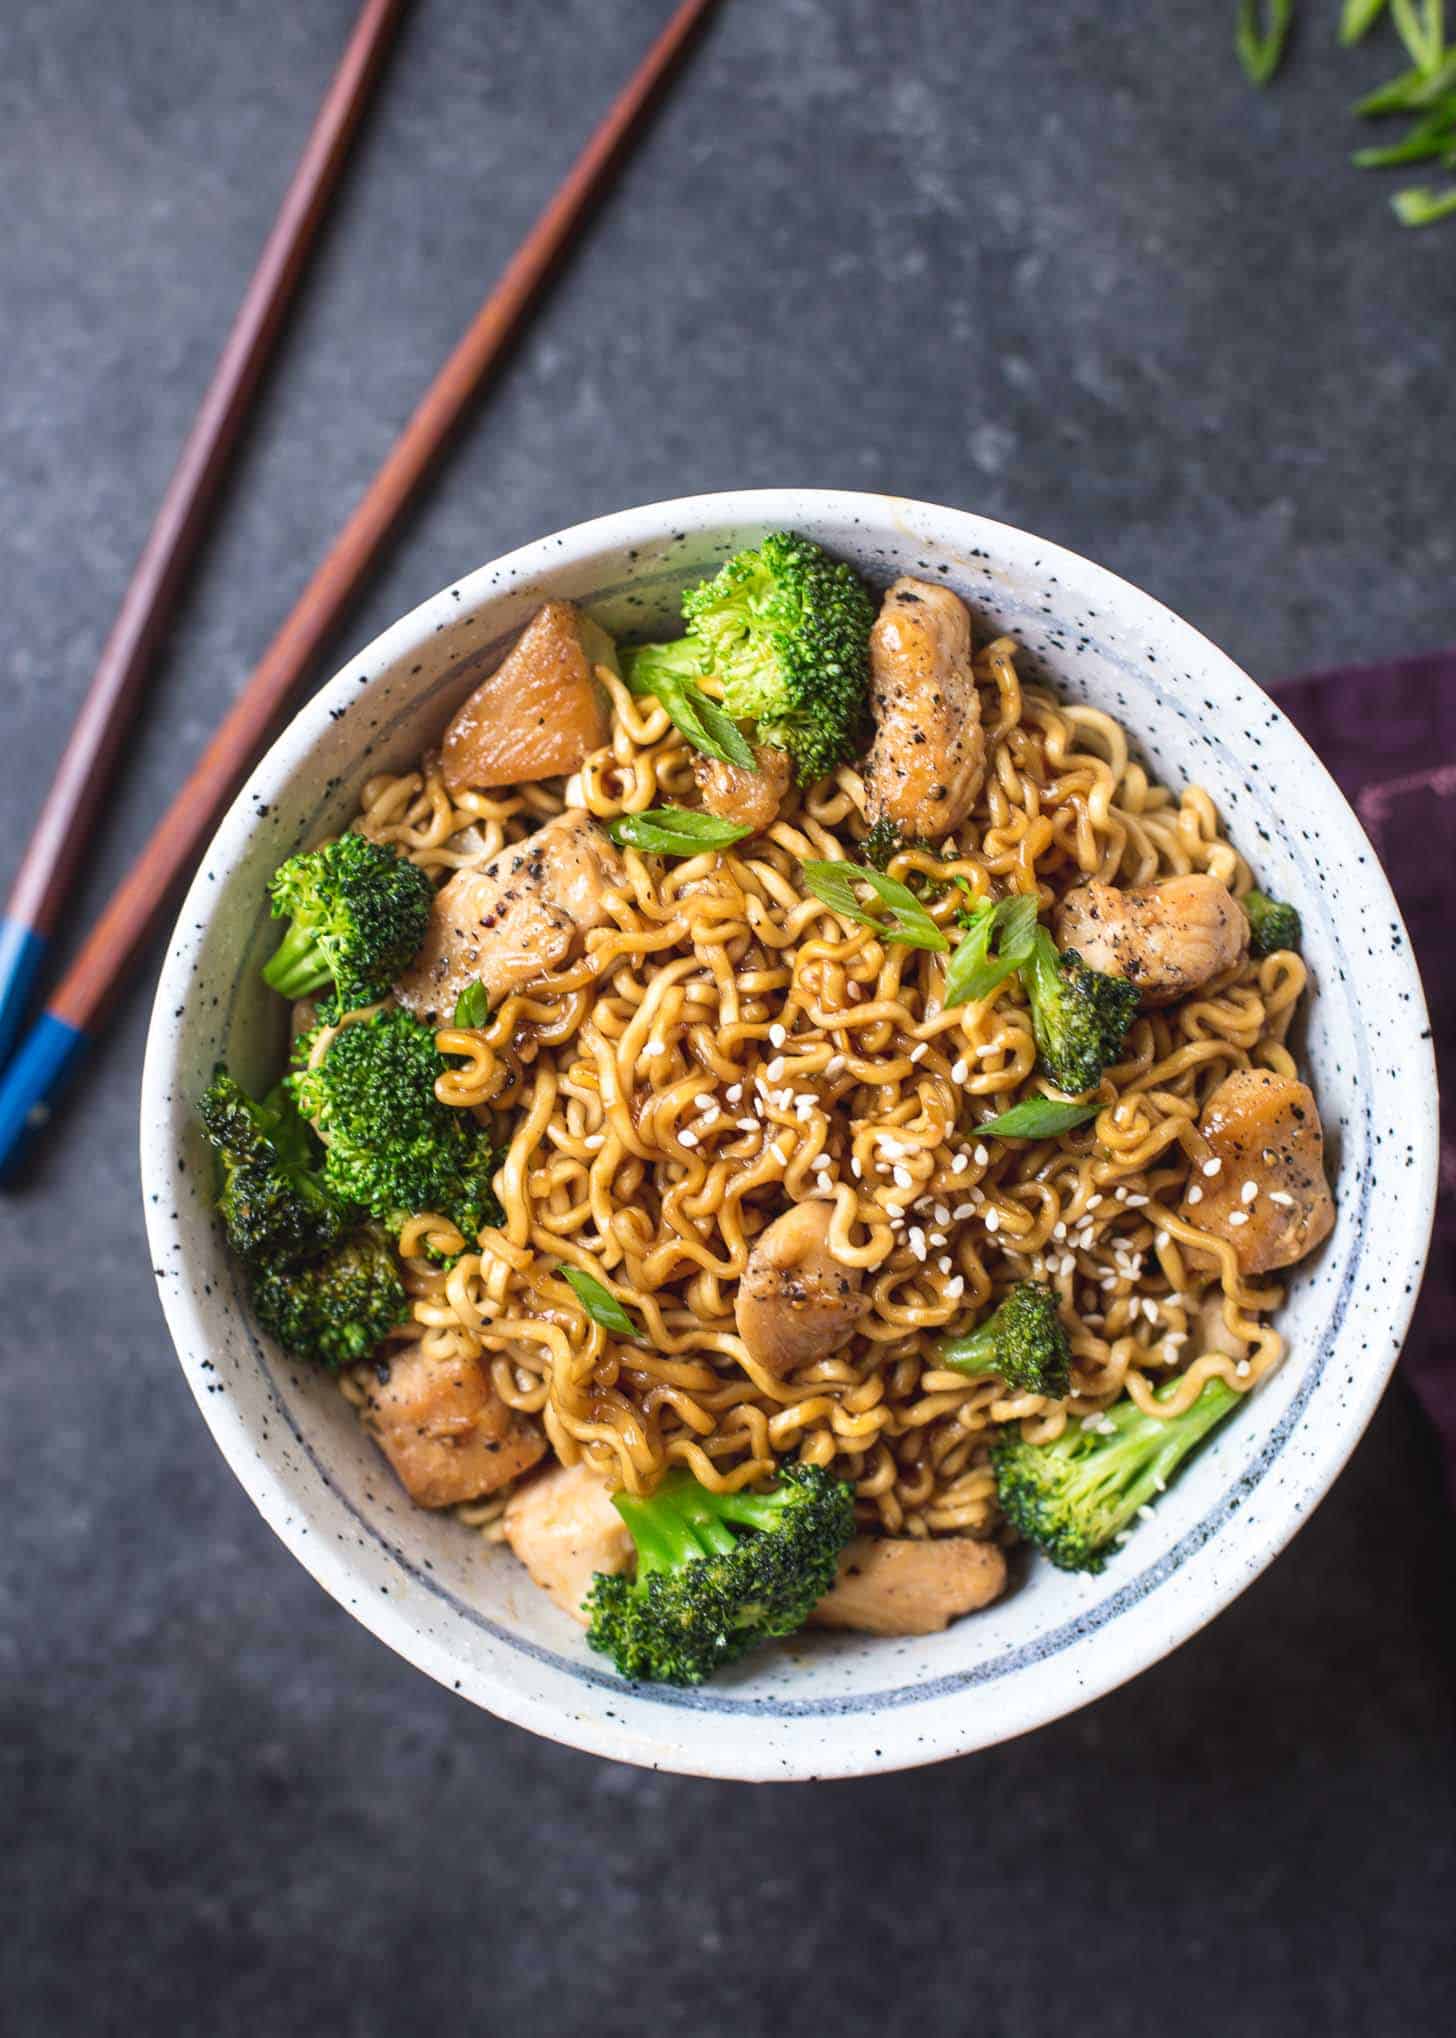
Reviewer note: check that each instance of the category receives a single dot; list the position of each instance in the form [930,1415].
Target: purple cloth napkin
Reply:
[1388,734]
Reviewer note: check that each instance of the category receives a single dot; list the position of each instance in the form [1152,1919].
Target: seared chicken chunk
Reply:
[1168,938]
[795,1301]
[929,754]
[540,713]
[906,1586]
[749,798]
[1268,1197]
[520,916]
[445,1431]
[563,1527]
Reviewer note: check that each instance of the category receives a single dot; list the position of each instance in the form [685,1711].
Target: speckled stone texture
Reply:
[1057,265]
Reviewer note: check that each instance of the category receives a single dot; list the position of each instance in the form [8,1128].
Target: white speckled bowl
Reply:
[825,1705]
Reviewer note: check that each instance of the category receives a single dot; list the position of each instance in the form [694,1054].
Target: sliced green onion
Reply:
[1421,205]
[674,831]
[1429,137]
[708,727]
[973,972]
[696,715]
[1358,18]
[599,1303]
[1038,1118]
[1412,91]
[472,1007]
[907,920]
[1421,26]
[1261,47]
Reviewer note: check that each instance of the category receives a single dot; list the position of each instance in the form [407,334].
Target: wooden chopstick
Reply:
[62,833]
[81,999]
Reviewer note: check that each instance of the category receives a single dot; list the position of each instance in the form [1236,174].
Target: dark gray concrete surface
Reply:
[1055,264]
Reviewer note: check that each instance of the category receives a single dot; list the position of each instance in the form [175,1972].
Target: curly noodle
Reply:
[725,1045]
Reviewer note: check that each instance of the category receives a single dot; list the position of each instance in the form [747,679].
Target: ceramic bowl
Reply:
[823,1705]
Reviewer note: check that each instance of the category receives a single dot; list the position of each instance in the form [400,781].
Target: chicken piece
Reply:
[928,755]
[520,915]
[1168,938]
[563,1527]
[751,798]
[540,713]
[906,1586]
[446,1432]
[795,1301]
[1264,1130]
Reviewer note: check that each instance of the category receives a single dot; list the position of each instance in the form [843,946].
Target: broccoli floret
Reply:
[1079,1015]
[786,631]
[1022,1340]
[335,1308]
[358,913]
[391,1145]
[272,1200]
[1273,924]
[883,843]
[718,1572]
[1072,1496]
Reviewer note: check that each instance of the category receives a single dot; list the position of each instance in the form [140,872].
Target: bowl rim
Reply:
[596,1731]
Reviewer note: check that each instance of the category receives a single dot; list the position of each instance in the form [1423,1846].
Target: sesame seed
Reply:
[962,1211]
[959,1071]
[1150,1309]
[993,1220]
[1213,1167]
[1093,1202]
[1068,1264]
[1133,1202]
[777,1035]
[938,1238]
[834,1064]
[1160,1482]
[705,1102]
[1249,1191]
[687,1139]
[656,1047]
[945,1263]
[783,1152]
[959,1165]
[775,1068]
[1238,1217]
[941,1214]
[980,1156]
[733,1093]
[1161,1240]
[595,1141]
[904,1179]
[748,1125]
[1243,1369]
[917,1053]
[1282,1197]
[1059,1230]
[1195,1194]
[805,1100]
[955,1287]
[1145,1513]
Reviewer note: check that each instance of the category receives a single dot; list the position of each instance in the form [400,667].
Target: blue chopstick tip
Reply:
[33,1081]
[21,950]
